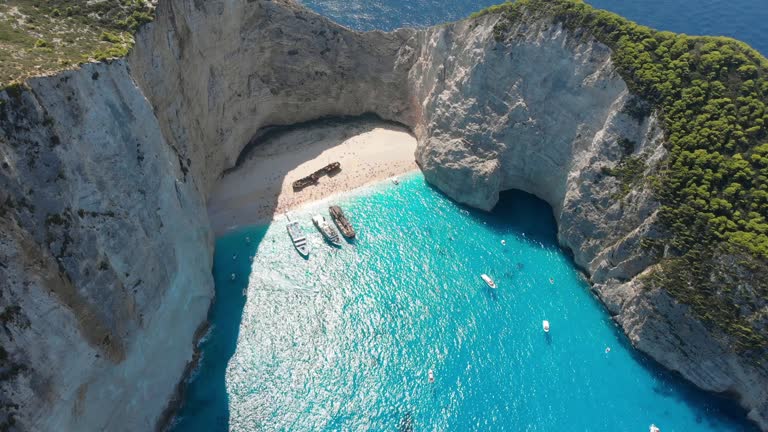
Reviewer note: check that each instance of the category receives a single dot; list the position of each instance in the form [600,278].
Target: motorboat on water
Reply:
[545,326]
[329,233]
[653,428]
[342,222]
[488,280]
[298,238]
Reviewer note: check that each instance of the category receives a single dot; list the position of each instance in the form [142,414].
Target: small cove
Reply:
[344,340]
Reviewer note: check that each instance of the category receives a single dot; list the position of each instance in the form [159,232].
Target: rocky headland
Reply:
[106,170]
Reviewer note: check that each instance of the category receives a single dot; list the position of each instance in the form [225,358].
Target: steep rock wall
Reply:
[105,253]
[545,111]
[216,72]
[105,244]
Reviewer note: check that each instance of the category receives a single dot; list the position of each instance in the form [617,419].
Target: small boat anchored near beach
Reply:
[488,280]
[545,326]
[341,221]
[298,238]
[328,232]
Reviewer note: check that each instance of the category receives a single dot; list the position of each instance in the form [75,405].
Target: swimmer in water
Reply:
[431,377]
[232,276]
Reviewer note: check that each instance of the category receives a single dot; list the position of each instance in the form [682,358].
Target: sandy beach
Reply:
[260,188]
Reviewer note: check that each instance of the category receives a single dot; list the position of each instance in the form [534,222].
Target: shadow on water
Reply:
[512,214]
[671,384]
[206,401]
[532,218]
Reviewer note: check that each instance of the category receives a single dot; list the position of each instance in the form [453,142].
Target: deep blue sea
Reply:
[344,340]
[746,20]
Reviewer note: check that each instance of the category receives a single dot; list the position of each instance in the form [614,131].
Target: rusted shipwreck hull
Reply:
[313,178]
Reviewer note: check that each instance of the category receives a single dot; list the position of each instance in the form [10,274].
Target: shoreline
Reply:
[260,188]
[339,196]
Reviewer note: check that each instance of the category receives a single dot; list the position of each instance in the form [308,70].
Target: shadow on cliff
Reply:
[205,405]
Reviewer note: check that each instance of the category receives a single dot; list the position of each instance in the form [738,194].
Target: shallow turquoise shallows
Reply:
[345,339]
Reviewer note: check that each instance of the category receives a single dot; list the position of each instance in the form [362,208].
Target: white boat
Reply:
[545,326]
[653,428]
[488,280]
[328,232]
[299,241]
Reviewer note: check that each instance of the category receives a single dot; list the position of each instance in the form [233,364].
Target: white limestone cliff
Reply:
[105,248]
[105,253]
[546,112]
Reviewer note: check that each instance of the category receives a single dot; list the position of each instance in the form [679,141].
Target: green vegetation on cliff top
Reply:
[43,36]
[711,94]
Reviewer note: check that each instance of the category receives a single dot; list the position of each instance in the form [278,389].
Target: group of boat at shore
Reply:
[327,230]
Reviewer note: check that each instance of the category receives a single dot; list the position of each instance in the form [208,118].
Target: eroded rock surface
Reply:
[105,248]
[105,254]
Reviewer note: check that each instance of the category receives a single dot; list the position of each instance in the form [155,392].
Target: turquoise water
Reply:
[344,340]
[746,20]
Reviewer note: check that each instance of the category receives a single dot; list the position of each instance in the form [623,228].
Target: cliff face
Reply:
[105,248]
[105,255]
[216,72]
[545,111]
